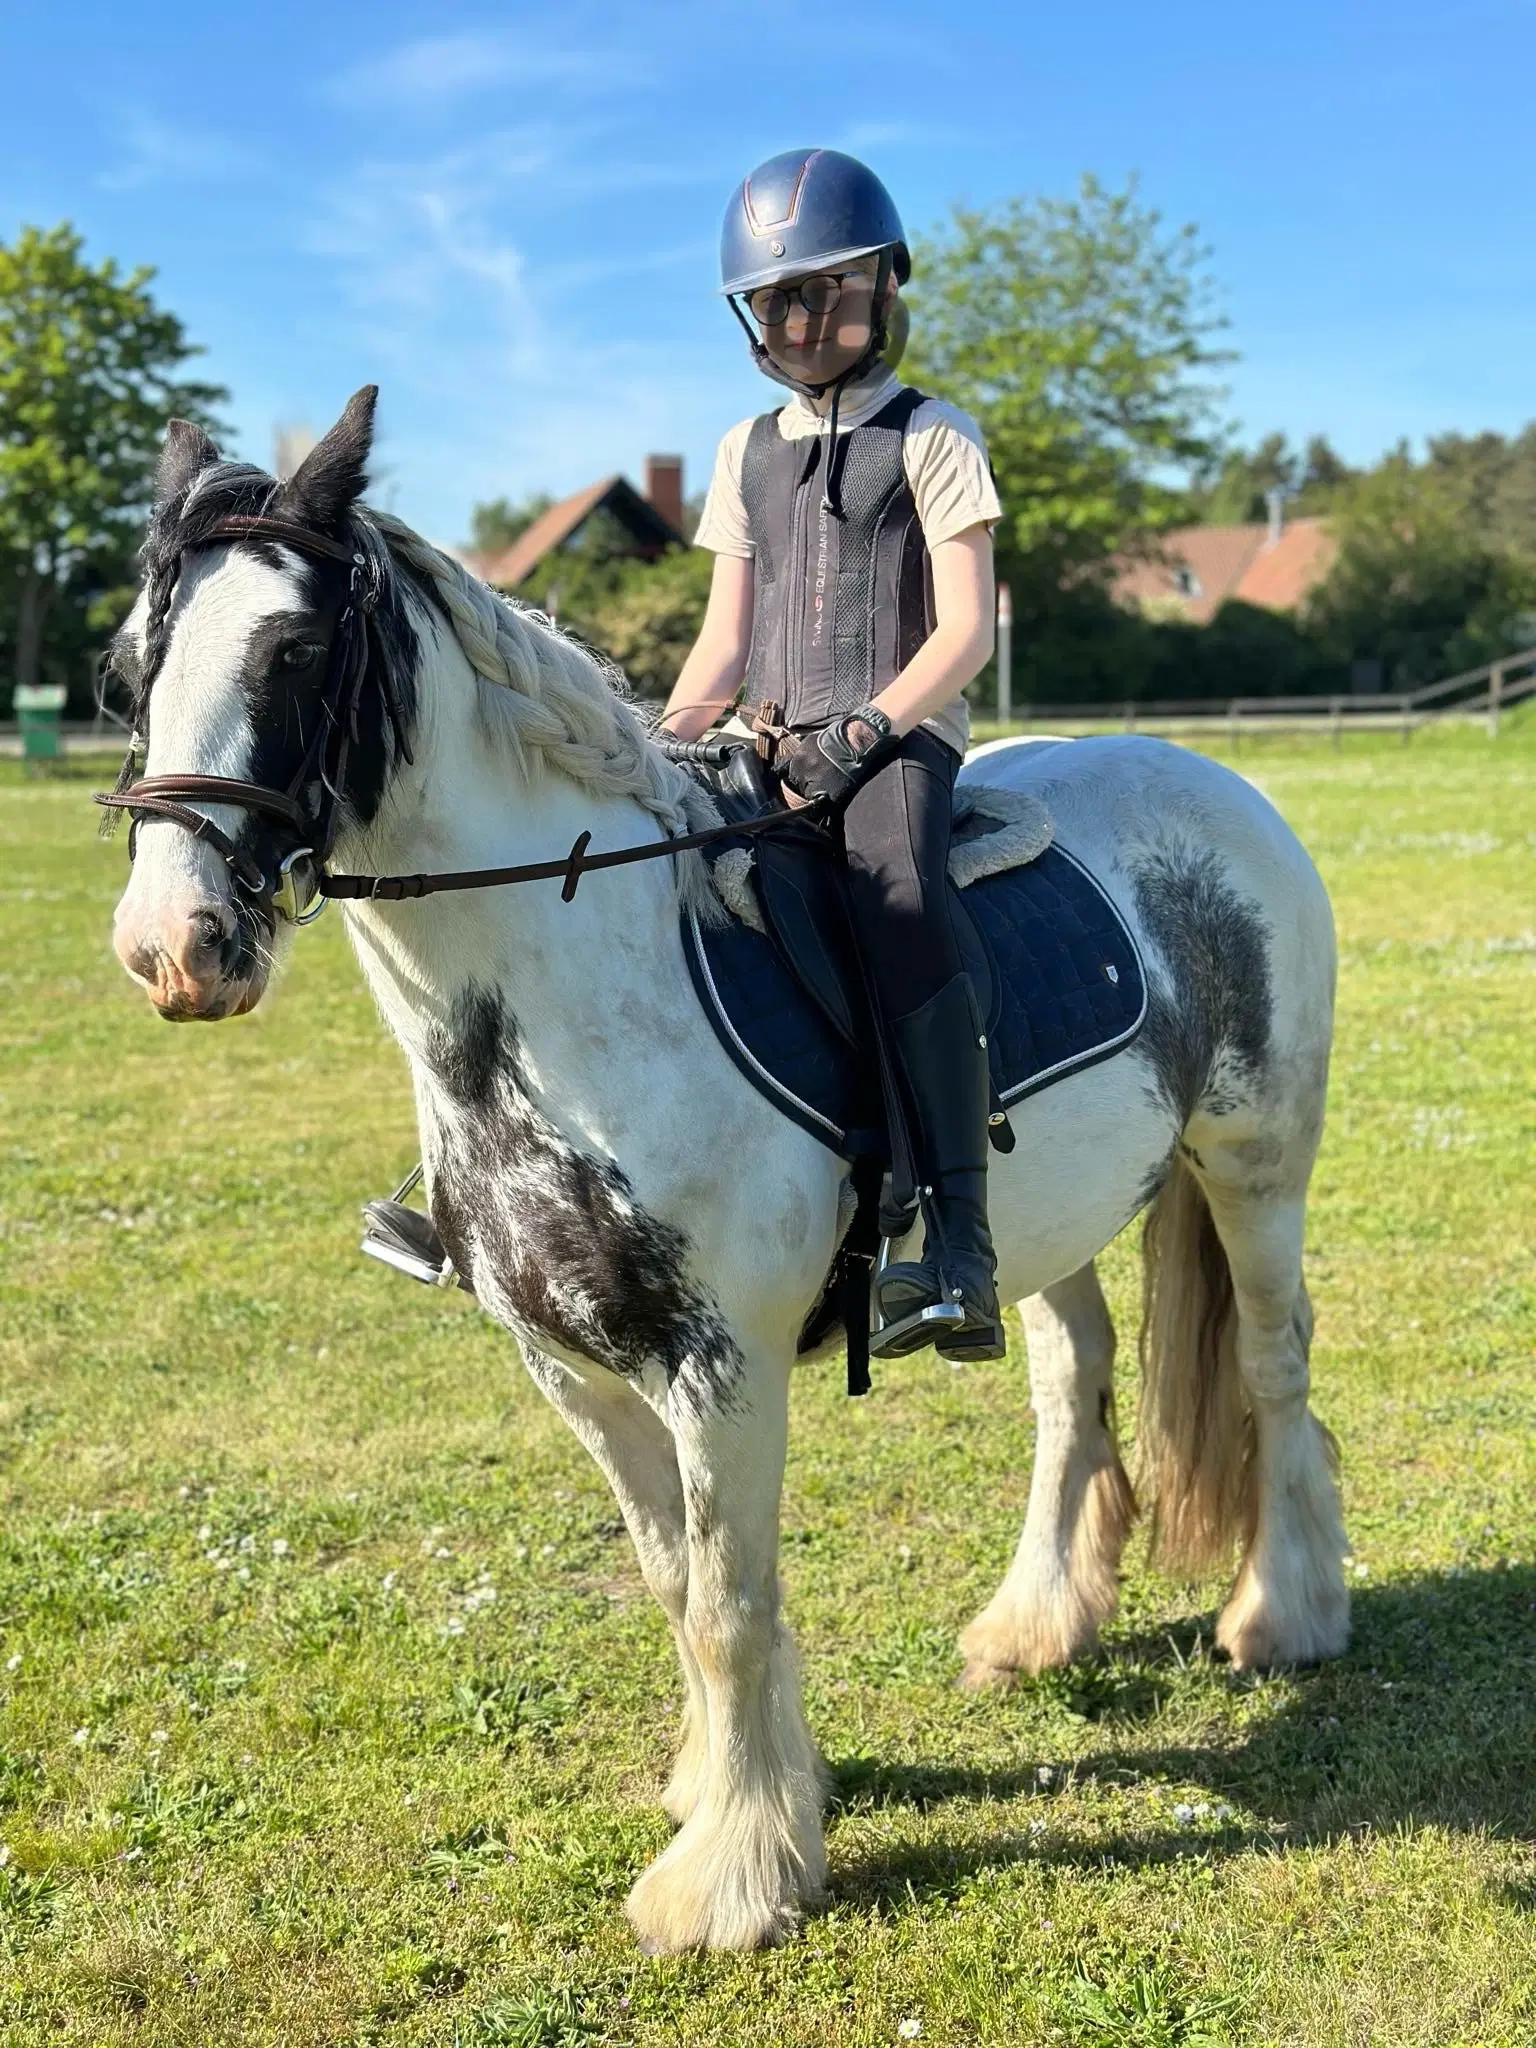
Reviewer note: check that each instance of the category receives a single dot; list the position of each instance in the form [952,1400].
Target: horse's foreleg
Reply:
[1062,1583]
[633,1448]
[751,1852]
[1289,1604]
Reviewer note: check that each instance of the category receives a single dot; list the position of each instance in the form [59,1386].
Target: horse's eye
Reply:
[298,654]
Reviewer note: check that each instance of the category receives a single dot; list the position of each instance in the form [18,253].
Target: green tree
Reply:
[88,378]
[1498,478]
[1421,584]
[1236,492]
[1513,513]
[1325,476]
[652,616]
[1079,333]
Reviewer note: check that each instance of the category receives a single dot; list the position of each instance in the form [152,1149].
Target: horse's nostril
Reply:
[144,960]
[209,931]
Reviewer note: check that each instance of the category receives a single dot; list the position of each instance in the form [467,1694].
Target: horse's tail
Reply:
[1195,1432]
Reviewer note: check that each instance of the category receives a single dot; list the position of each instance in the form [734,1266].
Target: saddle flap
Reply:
[1068,988]
[976,959]
[800,891]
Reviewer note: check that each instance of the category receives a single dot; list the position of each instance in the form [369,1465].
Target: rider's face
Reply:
[817,348]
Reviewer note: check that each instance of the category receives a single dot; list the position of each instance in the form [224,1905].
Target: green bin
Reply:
[39,712]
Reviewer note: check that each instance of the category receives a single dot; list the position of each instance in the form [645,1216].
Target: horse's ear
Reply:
[330,479]
[186,453]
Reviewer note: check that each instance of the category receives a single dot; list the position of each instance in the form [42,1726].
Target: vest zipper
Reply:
[802,497]
[793,613]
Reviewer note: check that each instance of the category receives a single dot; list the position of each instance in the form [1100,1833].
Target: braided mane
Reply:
[560,700]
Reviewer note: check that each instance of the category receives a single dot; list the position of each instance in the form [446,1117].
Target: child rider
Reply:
[853,586]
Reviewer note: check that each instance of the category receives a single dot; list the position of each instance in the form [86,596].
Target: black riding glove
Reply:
[837,761]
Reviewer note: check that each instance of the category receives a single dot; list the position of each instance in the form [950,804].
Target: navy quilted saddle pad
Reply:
[1068,990]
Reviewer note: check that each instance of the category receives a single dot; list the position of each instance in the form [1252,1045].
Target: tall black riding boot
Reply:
[941,1050]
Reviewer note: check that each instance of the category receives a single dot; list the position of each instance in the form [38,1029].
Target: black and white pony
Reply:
[651,1231]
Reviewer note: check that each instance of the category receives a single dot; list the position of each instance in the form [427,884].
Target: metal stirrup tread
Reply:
[407,1240]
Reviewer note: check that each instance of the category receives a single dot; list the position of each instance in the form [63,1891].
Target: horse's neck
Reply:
[579,979]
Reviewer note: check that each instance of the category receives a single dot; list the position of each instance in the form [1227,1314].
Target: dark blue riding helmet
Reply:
[807,209]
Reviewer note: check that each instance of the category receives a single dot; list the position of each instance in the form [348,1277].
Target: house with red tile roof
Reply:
[1198,569]
[652,522]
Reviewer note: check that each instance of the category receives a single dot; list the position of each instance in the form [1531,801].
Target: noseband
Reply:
[296,883]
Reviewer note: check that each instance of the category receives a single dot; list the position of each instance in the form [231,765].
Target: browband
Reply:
[266,526]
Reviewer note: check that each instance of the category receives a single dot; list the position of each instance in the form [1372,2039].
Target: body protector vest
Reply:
[840,605]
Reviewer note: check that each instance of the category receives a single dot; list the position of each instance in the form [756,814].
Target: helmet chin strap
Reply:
[831,495]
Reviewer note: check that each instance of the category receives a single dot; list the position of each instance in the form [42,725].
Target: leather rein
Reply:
[301,885]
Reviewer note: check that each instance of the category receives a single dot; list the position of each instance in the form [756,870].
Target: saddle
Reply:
[802,896]
[1055,969]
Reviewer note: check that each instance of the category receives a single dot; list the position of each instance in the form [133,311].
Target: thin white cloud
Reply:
[435,71]
[698,256]
[157,152]
[479,352]
[414,234]
[873,135]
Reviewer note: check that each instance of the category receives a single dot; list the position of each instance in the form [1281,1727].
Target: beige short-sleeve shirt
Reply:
[945,459]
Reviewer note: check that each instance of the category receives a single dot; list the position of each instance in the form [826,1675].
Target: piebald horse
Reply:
[648,1228]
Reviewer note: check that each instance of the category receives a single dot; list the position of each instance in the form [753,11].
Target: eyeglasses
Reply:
[770,303]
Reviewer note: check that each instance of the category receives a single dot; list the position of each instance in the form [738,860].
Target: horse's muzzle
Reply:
[198,967]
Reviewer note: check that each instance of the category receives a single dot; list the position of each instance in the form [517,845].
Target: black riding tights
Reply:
[896,832]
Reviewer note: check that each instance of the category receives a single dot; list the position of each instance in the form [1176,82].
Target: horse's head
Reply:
[254,655]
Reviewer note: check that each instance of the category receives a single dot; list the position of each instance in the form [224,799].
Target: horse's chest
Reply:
[551,1237]
[557,1248]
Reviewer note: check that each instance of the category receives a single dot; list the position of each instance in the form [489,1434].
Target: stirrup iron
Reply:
[406,1239]
[907,1333]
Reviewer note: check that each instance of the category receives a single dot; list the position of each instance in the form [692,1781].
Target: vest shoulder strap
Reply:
[899,412]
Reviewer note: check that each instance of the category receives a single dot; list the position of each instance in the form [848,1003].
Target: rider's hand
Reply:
[836,762]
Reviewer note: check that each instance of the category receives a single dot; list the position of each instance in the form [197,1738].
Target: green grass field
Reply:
[332,1709]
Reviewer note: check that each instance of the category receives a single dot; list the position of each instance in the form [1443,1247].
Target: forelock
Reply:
[184,521]
[213,494]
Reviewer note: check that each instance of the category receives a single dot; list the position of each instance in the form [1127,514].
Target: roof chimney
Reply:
[664,487]
[1274,498]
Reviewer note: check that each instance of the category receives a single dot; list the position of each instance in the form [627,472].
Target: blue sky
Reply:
[507,217]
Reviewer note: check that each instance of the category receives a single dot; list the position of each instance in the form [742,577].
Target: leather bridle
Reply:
[297,880]
[300,885]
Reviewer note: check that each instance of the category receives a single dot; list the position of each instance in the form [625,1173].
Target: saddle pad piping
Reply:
[1111,1045]
[810,1119]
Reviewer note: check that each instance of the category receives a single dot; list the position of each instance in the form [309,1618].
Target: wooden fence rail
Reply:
[1485,692]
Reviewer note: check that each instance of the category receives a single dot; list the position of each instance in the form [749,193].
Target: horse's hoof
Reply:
[982,1677]
[1254,1639]
[698,1895]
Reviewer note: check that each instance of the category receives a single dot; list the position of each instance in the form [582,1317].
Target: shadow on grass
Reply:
[1429,1719]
